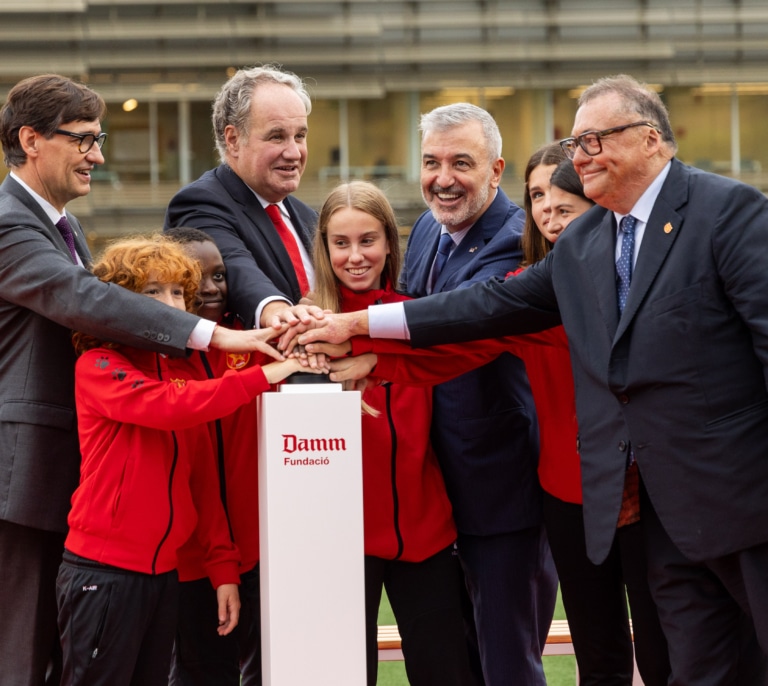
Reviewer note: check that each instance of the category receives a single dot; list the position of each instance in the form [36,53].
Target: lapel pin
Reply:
[667,228]
[473,249]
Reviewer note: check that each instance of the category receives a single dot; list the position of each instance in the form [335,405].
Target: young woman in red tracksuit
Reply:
[147,484]
[409,529]
[200,656]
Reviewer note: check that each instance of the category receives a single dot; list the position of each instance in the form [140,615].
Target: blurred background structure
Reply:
[372,67]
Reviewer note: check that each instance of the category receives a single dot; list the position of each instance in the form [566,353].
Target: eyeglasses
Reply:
[86,139]
[591,141]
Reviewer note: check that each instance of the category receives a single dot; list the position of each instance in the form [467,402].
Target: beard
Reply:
[465,211]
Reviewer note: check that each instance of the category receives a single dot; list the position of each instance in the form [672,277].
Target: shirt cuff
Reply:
[263,304]
[388,321]
[200,338]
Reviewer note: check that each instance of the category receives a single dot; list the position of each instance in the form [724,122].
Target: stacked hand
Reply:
[313,335]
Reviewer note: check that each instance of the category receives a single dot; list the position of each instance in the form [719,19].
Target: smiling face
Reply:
[272,158]
[616,177]
[538,192]
[457,176]
[358,248]
[212,291]
[55,168]
[565,207]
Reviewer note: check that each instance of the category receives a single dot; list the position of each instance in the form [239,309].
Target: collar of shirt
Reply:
[642,212]
[51,212]
[456,236]
[283,212]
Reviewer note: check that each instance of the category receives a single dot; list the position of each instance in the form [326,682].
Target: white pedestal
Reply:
[311,527]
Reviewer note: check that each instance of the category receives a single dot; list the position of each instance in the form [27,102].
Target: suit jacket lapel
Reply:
[258,217]
[462,254]
[660,234]
[81,245]
[600,254]
[299,225]
[423,246]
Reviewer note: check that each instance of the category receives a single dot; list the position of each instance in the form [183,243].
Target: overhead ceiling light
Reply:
[130,105]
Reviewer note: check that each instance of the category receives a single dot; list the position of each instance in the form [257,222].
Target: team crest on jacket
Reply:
[180,383]
[237,360]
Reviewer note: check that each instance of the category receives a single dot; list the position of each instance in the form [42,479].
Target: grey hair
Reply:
[637,98]
[448,116]
[232,106]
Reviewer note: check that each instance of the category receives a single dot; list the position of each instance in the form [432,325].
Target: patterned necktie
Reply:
[69,238]
[624,263]
[441,257]
[289,241]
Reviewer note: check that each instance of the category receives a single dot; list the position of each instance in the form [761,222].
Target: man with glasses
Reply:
[663,292]
[50,130]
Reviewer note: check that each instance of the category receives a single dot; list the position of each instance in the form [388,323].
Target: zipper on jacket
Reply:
[395,499]
[219,452]
[170,480]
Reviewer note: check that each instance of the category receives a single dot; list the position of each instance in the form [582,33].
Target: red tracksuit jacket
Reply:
[407,514]
[235,441]
[147,477]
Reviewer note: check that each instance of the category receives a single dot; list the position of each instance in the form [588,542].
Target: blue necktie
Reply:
[443,252]
[624,263]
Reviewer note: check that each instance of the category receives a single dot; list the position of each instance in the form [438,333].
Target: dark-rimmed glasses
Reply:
[86,139]
[591,141]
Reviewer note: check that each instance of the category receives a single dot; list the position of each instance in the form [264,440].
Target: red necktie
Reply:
[289,241]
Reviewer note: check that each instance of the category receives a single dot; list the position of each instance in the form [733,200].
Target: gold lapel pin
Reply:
[473,249]
[667,228]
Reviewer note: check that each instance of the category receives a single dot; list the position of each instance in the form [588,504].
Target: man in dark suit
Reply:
[50,129]
[667,327]
[484,428]
[260,129]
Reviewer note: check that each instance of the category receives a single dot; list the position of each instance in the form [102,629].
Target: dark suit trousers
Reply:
[29,637]
[426,601]
[714,613]
[595,601]
[513,586]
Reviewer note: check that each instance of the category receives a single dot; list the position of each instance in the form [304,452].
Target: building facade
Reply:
[372,66]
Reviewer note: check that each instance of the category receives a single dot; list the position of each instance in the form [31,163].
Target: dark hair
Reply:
[535,246]
[44,102]
[637,99]
[188,234]
[566,179]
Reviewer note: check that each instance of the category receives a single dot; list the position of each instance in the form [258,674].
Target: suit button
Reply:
[622,446]
[624,399]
